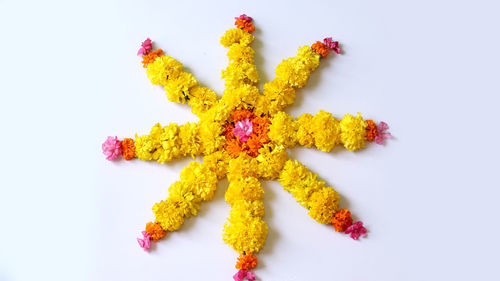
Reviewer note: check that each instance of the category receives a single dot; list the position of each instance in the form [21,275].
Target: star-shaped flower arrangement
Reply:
[244,136]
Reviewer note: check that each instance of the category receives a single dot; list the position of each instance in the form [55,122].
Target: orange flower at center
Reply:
[258,137]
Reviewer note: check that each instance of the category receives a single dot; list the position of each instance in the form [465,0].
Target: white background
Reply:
[69,77]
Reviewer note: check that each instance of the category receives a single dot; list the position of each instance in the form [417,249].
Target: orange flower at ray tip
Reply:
[371,130]
[246,262]
[149,58]
[342,220]
[321,48]
[155,230]
[128,149]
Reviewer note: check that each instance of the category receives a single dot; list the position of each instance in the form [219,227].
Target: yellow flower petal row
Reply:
[291,74]
[169,142]
[322,201]
[245,230]
[321,130]
[197,184]
[180,86]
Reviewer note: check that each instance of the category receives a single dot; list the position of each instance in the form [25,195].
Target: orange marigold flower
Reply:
[245,25]
[155,230]
[253,144]
[261,125]
[241,114]
[128,149]
[233,147]
[371,130]
[149,58]
[228,131]
[246,262]
[321,48]
[342,220]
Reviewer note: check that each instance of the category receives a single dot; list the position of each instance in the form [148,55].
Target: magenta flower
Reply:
[334,45]
[243,129]
[382,135]
[356,230]
[244,17]
[112,148]
[242,274]
[145,242]
[146,47]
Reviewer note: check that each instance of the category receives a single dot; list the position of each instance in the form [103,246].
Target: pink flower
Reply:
[334,45]
[145,242]
[242,274]
[356,230]
[243,129]
[112,148]
[146,47]
[382,135]
[244,17]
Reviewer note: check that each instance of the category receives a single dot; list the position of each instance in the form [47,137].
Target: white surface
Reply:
[70,77]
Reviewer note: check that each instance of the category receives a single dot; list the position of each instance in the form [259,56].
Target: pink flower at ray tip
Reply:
[251,276]
[243,129]
[112,148]
[356,230]
[146,47]
[334,45]
[382,134]
[244,17]
[145,242]
[242,274]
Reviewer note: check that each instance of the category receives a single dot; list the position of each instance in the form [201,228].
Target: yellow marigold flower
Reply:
[217,162]
[181,196]
[236,35]
[201,99]
[200,180]
[279,94]
[323,204]
[163,69]
[326,130]
[282,130]
[300,182]
[295,71]
[305,134]
[242,210]
[188,139]
[177,89]
[241,96]
[168,216]
[308,57]
[353,134]
[240,53]
[210,136]
[246,236]
[239,73]
[244,165]
[271,161]
[170,147]
[246,188]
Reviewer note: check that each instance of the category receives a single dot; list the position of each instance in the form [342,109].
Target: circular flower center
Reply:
[243,129]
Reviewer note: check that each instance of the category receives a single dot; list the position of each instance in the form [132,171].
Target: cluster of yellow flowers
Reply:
[322,201]
[197,184]
[321,130]
[291,74]
[169,142]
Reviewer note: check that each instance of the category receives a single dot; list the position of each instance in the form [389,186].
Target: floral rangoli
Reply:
[244,136]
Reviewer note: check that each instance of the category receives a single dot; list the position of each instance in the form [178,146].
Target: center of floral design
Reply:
[246,132]
[243,129]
